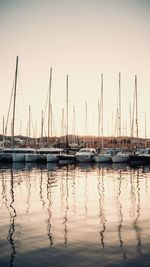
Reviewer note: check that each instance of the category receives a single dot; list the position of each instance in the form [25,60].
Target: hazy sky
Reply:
[82,39]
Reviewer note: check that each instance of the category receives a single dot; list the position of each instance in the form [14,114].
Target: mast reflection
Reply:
[49,209]
[101,191]
[13,214]
[135,223]
[41,188]
[4,189]
[120,214]
[66,209]
[28,182]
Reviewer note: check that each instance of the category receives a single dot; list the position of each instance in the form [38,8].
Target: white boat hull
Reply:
[84,158]
[102,158]
[20,157]
[85,155]
[53,157]
[31,157]
[120,158]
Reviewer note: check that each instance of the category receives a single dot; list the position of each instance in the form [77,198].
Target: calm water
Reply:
[88,215]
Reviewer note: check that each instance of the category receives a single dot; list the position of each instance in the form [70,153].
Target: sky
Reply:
[82,39]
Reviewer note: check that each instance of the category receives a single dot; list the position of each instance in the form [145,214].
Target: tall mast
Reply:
[145,130]
[67,144]
[102,109]
[14,105]
[98,123]
[86,123]
[136,102]
[49,106]
[133,114]
[3,126]
[119,117]
[3,131]
[145,127]
[130,119]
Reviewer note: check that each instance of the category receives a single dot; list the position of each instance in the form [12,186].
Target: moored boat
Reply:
[15,154]
[121,157]
[139,159]
[53,155]
[102,158]
[48,154]
[85,155]
[65,159]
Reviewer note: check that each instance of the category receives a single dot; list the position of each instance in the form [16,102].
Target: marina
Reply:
[74,133]
[83,155]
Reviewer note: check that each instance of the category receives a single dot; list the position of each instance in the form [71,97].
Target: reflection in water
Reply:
[101,190]
[13,215]
[28,183]
[120,214]
[85,209]
[66,208]
[86,195]
[4,189]
[74,191]
[49,198]
[41,193]
[135,223]
[135,203]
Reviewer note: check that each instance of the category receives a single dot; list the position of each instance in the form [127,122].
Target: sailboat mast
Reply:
[14,105]
[67,144]
[98,123]
[86,123]
[3,126]
[136,102]
[145,130]
[119,104]
[29,121]
[130,119]
[102,110]
[49,106]
[3,131]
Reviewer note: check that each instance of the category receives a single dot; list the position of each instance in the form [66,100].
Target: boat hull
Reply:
[31,157]
[53,157]
[67,159]
[137,160]
[119,158]
[6,158]
[104,158]
[20,157]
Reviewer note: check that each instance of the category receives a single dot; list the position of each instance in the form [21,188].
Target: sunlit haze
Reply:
[81,39]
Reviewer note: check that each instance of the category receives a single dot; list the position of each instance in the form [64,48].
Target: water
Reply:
[88,215]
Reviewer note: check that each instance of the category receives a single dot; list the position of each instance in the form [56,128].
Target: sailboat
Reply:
[138,157]
[14,154]
[46,154]
[102,157]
